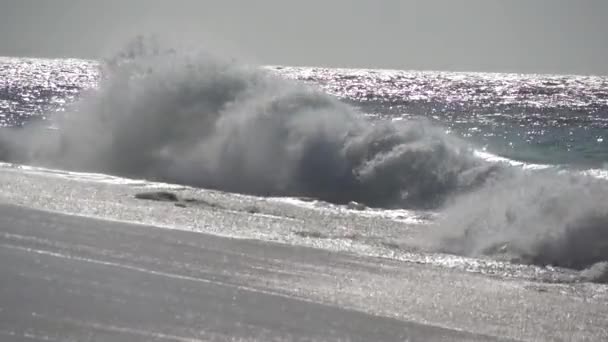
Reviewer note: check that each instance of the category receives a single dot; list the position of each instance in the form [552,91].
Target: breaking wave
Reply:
[541,218]
[203,121]
[198,120]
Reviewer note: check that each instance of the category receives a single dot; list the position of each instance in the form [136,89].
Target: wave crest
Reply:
[198,120]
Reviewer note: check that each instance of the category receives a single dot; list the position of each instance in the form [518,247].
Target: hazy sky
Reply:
[563,36]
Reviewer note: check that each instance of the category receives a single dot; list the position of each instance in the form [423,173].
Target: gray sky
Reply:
[561,36]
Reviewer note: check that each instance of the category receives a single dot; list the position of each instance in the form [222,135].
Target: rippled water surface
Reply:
[537,118]
[552,119]
[32,88]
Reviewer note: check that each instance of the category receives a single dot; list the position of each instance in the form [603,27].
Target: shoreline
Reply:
[427,300]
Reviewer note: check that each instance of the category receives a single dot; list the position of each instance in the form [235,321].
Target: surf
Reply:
[198,120]
[194,119]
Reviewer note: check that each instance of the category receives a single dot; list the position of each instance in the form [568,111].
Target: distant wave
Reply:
[197,120]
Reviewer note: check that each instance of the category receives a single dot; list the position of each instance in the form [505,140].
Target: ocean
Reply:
[497,173]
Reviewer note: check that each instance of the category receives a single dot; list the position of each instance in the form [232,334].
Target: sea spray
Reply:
[194,119]
[541,217]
